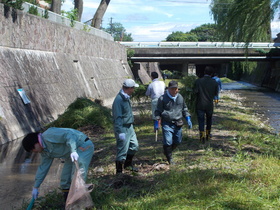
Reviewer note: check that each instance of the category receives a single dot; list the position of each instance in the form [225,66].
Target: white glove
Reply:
[35,193]
[122,136]
[74,156]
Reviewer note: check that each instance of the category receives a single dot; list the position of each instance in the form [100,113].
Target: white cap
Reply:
[130,83]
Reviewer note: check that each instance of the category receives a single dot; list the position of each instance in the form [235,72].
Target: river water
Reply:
[265,103]
[17,168]
[17,171]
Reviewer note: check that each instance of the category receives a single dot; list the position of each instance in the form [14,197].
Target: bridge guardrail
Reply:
[199,44]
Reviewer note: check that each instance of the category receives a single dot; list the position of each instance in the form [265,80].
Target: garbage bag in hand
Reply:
[79,193]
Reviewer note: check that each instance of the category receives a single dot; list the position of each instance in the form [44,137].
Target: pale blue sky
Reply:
[153,20]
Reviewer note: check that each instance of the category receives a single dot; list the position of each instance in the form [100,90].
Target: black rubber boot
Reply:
[174,146]
[167,151]
[119,167]
[65,193]
[128,163]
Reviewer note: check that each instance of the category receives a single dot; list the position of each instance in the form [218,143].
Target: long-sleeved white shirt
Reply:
[155,89]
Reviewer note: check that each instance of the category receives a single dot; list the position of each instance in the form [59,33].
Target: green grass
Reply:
[84,112]
[226,80]
[240,169]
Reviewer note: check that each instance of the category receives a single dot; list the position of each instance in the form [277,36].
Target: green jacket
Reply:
[57,143]
[122,113]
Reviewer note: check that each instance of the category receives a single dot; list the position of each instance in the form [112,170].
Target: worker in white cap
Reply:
[127,143]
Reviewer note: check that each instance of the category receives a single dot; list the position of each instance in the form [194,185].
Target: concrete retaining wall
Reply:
[265,74]
[55,65]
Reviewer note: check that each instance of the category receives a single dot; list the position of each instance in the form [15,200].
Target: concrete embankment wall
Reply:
[54,65]
[265,74]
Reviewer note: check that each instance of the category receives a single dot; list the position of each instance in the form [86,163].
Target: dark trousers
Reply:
[201,114]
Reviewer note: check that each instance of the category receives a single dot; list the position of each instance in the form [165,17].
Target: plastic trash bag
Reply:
[79,193]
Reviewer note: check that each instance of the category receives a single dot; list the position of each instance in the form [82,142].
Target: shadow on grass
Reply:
[154,191]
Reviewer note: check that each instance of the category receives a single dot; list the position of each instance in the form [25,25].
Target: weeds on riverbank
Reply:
[84,112]
[239,170]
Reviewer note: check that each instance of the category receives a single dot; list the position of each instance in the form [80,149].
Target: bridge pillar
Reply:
[188,68]
[185,68]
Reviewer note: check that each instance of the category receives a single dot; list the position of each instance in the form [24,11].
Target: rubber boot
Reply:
[208,135]
[128,163]
[174,146]
[216,102]
[65,194]
[119,167]
[202,137]
[167,151]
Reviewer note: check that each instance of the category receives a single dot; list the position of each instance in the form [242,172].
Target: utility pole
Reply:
[111,24]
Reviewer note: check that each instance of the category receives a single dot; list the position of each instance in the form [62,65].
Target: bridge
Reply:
[199,51]
[187,56]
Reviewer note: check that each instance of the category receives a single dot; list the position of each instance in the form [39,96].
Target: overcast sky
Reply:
[153,20]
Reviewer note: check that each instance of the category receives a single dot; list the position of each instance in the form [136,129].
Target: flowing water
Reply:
[17,169]
[265,102]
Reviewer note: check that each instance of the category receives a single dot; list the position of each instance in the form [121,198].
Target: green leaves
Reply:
[244,21]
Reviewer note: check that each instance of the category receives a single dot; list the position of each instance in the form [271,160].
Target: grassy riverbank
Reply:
[239,170]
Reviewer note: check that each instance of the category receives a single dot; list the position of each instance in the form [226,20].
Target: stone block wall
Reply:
[55,65]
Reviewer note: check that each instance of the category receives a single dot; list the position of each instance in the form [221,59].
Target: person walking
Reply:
[218,80]
[65,143]
[127,143]
[205,89]
[154,91]
[171,109]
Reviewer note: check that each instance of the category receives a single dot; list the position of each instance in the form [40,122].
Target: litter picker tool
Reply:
[156,135]
[29,207]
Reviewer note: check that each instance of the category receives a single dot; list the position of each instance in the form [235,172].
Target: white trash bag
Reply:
[79,193]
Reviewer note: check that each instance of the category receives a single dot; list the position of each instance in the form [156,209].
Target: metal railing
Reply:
[67,22]
[199,44]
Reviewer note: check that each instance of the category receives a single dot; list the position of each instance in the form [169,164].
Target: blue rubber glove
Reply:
[35,193]
[155,124]
[188,119]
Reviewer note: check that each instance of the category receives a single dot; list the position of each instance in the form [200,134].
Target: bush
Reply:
[83,112]
[187,92]
[140,93]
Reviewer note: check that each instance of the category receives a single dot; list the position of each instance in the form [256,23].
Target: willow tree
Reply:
[244,21]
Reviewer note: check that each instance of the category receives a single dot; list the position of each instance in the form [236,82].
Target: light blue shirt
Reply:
[57,143]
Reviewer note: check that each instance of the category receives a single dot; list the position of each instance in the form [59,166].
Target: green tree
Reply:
[206,33]
[180,36]
[118,32]
[72,15]
[244,21]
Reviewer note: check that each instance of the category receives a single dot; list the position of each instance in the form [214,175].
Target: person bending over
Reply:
[65,143]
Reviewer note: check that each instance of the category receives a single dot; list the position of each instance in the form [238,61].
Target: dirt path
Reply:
[150,156]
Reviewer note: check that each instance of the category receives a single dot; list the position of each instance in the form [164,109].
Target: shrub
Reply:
[83,112]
